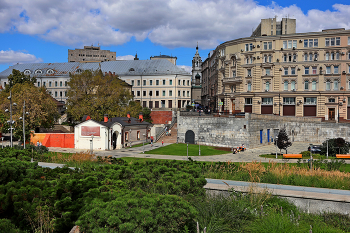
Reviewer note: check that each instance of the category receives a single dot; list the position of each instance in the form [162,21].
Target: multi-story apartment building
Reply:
[298,74]
[90,54]
[155,83]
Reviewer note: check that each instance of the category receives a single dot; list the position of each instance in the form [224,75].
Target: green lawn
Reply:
[181,150]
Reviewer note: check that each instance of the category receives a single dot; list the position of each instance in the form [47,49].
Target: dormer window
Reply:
[49,71]
[78,71]
[26,72]
[38,72]
[131,69]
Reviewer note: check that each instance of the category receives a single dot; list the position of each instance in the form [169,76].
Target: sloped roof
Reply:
[121,68]
[121,120]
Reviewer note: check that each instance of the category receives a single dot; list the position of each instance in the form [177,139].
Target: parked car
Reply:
[314,149]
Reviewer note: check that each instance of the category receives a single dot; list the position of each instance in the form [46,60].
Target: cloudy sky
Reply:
[44,30]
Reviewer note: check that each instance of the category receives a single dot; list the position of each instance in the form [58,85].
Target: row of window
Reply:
[292,44]
[150,82]
[90,55]
[155,104]
[56,84]
[38,71]
[55,94]
[150,93]
[286,101]
[308,70]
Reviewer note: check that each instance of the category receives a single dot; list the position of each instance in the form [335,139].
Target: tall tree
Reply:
[39,104]
[283,140]
[94,94]
[18,77]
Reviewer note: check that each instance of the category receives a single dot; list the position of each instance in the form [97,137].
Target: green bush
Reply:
[138,212]
[7,226]
[335,146]
[305,154]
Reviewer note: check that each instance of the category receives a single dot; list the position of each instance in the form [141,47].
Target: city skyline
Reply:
[32,31]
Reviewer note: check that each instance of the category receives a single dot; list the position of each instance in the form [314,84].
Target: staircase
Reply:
[171,138]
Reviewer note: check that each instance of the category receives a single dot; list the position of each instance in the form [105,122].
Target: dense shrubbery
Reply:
[64,194]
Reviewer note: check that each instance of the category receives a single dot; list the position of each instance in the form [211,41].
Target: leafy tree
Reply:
[91,93]
[147,115]
[283,140]
[335,146]
[39,104]
[18,77]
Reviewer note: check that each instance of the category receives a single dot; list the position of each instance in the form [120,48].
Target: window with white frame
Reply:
[188,94]
[138,82]
[170,93]
[332,56]
[178,93]
[292,85]
[292,70]
[286,85]
[267,71]
[268,45]
[179,82]
[144,82]
[307,70]
[163,82]
[183,82]
[266,101]
[144,93]
[310,100]
[328,85]
[249,47]
[288,100]
[157,82]
[249,86]
[311,56]
[306,56]
[183,93]
[328,69]
[267,86]
[314,70]
[132,82]
[249,72]
[163,93]
[157,93]
[285,71]
[138,93]
[233,73]
[334,41]
[336,69]
[337,56]
[306,85]
[335,85]
[170,82]
[150,82]
[348,40]
[248,101]
[188,82]
[331,100]
[313,87]
[310,43]
[327,56]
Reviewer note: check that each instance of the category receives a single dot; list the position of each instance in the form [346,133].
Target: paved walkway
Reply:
[247,156]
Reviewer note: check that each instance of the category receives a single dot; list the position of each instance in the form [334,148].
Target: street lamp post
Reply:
[310,157]
[2,139]
[187,151]
[92,144]
[143,147]
[23,118]
[327,147]
[11,122]
[276,145]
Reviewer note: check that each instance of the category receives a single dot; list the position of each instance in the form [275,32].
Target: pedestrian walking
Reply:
[162,142]
[151,141]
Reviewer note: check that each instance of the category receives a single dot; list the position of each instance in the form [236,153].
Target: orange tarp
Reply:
[63,140]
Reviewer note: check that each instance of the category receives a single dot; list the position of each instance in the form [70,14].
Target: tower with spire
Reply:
[196,77]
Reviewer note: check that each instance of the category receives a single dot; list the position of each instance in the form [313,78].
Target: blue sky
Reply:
[43,30]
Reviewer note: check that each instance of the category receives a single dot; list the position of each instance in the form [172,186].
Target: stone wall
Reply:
[253,129]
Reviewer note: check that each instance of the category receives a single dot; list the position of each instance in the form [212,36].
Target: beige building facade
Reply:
[90,54]
[299,74]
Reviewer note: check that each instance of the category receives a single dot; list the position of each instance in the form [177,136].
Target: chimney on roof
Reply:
[88,118]
[105,118]
[141,116]
[128,115]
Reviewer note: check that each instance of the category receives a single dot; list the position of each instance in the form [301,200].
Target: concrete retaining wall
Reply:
[235,131]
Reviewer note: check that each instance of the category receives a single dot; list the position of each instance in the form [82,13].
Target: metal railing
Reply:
[162,132]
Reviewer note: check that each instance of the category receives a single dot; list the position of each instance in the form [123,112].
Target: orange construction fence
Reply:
[63,140]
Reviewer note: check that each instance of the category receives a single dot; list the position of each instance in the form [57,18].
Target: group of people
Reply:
[238,149]
[38,143]
[167,132]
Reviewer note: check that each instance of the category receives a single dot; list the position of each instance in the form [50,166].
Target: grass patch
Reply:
[180,149]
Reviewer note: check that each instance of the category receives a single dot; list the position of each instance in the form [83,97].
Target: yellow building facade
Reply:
[300,74]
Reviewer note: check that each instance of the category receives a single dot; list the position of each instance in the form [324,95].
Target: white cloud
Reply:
[126,57]
[186,68]
[175,23]
[13,57]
